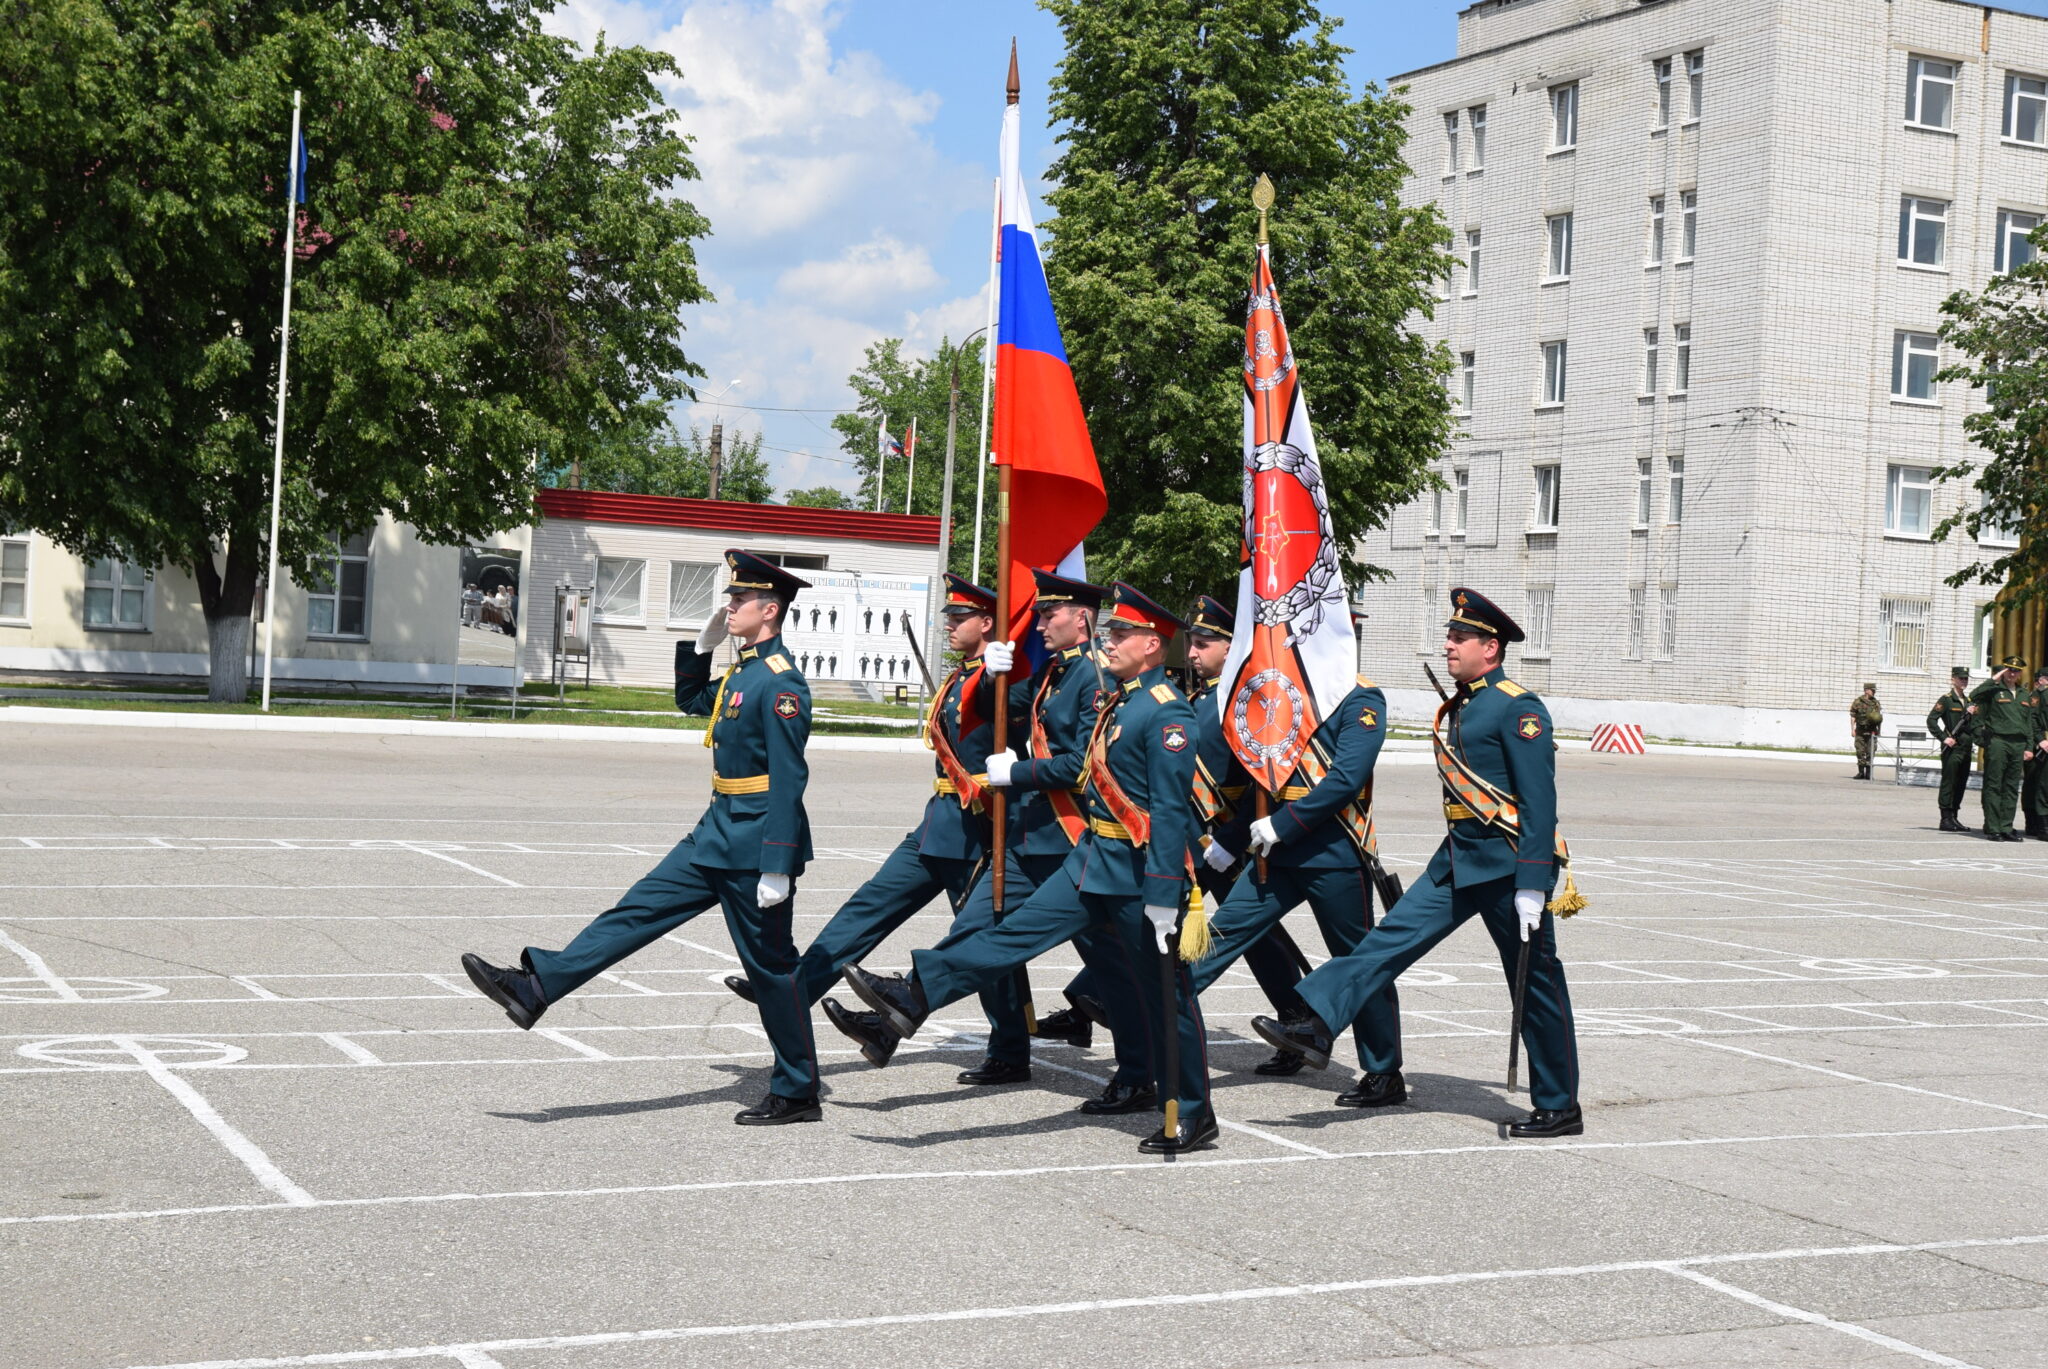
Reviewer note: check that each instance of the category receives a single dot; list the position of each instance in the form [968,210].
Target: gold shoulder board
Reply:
[1367,682]
[1163,693]
[779,663]
[1511,689]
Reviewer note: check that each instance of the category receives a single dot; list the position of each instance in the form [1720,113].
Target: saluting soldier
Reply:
[2034,784]
[1128,878]
[942,854]
[1949,723]
[1499,860]
[1866,718]
[2004,727]
[744,855]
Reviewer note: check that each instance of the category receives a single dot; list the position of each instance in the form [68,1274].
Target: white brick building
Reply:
[1702,250]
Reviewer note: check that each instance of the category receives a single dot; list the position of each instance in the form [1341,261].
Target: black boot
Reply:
[1067,1025]
[900,1001]
[1948,821]
[1308,1038]
[995,1072]
[775,1110]
[1118,1099]
[877,1039]
[518,991]
[742,986]
[1375,1091]
[1545,1123]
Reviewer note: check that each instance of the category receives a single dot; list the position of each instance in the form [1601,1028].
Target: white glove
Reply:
[1265,836]
[1162,920]
[1216,858]
[1529,908]
[714,632]
[1000,763]
[771,890]
[998,657]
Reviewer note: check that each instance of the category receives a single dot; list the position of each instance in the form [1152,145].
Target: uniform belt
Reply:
[739,784]
[942,785]
[1294,791]
[1103,827]
[1458,812]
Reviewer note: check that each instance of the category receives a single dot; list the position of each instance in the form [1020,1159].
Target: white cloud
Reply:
[878,271]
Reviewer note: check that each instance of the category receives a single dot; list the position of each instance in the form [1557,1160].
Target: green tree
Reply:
[490,266]
[639,458]
[893,388]
[1168,111]
[819,497]
[2002,330]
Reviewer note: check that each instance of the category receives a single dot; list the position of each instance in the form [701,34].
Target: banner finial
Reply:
[1010,90]
[1262,199]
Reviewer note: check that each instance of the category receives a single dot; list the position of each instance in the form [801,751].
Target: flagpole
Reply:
[1262,798]
[284,348]
[881,454]
[988,359]
[1001,808]
[910,485]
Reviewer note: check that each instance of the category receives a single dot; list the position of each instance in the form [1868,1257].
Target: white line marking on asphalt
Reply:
[470,1358]
[1054,1309]
[40,969]
[1844,1074]
[241,1147]
[1132,1166]
[561,1038]
[253,987]
[473,869]
[1225,1123]
[707,950]
[1792,1313]
[349,1048]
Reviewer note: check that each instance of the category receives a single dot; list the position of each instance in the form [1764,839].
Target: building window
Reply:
[116,595]
[1688,224]
[1432,621]
[1553,372]
[1695,84]
[692,592]
[1471,262]
[1436,513]
[338,589]
[1637,605]
[1649,361]
[1467,374]
[1675,489]
[621,586]
[1989,532]
[1908,501]
[1543,513]
[1461,486]
[1913,366]
[1681,369]
[1987,634]
[1564,117]
[1654,254]
[1930,92]
[2013,248]
[1902,623]
[1476,116]
[1451,143]
[1542,607]
[1559,260]
[14,580]
[1660,75]
[1667,627]
[1642,491]
[2026,109]
[1923,231]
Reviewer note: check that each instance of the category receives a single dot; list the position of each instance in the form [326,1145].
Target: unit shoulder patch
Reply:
[786,705]
[1368,718]
[1174,736]
[1530,726]
[1163,693]
[779,663]
[1511,689]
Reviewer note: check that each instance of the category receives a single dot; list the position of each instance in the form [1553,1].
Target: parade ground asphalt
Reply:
[255,1116]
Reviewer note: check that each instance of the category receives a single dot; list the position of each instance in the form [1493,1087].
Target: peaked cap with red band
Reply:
[1133,609]
[1472,611]
[1052,590]
[964,596]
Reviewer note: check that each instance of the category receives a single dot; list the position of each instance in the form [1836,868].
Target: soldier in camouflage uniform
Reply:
[1866,716]
[2034,785]
[2006,726]
[1949,723]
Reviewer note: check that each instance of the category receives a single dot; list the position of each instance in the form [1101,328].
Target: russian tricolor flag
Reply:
[1056,495]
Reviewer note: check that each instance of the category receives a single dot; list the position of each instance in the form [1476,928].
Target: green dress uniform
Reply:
[1948,720]
[1866,718]
[2034,783]
[2005,728]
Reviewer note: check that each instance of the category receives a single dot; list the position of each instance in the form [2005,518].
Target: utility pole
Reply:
[717,454]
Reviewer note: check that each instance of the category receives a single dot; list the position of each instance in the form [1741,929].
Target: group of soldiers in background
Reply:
[2009,724]
[1124,806]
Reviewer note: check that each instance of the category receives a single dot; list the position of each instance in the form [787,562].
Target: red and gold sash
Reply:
[1496,808]
[1356,815]
[1065,805]
[969,789]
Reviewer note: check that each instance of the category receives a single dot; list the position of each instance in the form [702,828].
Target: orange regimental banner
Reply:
[1294,656]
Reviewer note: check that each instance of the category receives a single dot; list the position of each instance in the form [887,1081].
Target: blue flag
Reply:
[300,171]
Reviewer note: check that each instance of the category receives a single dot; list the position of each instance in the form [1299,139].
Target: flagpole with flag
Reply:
[910,485]
[1294,657]
[294,197]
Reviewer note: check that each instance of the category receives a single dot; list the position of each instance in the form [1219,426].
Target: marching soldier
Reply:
[744,855]
[1500,859]
[1128,878]
[1948,722]
[2034,792]
[1866,717]
[2004,727]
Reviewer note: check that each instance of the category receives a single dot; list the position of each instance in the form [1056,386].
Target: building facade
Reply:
[1701,248]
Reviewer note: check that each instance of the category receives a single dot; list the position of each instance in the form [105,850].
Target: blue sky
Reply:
[847,152]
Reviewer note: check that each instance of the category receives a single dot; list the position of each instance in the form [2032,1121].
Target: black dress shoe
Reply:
[995,1072]
[877,1039]
[1066,1025]
[900,1001]
[742,986]
[1375,1091]
[1547,1122]
[1281,1064]
[1090,1008]
[1308,1038]
[2010,835]
[1194,1135]
[1118,1099]
[774,1110]
[518,992]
